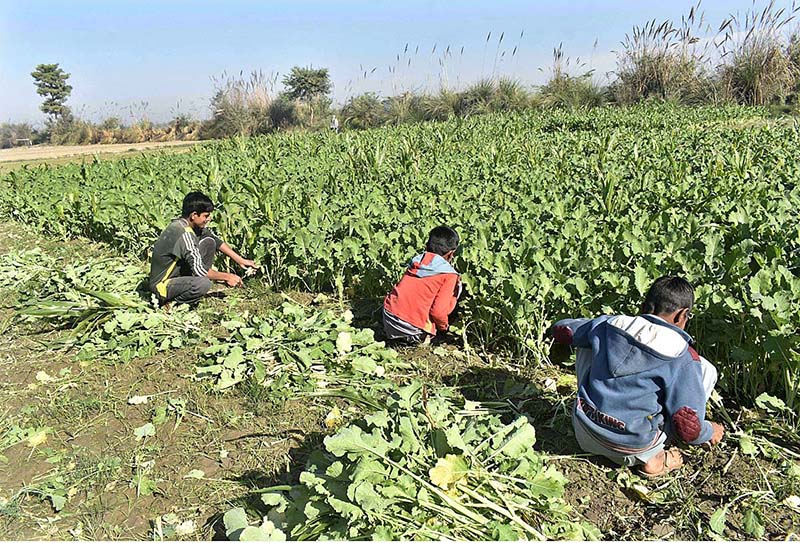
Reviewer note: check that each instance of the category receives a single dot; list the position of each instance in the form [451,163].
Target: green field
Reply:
[561,213]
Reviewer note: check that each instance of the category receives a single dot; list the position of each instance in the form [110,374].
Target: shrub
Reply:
[565,90]
[510,95]
[240,107]
[757,68]
[282,112]
[663,62]
[11,132]
[364,111]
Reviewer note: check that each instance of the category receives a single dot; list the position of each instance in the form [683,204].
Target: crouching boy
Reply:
[640,382]
[183,256]
[419,305]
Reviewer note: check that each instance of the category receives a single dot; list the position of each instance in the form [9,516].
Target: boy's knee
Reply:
[202,286]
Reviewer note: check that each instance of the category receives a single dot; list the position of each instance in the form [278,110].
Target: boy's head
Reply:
[197,208]
[670,298]
[443,241]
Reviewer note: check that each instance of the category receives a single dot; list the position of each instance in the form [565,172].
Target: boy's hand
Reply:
[233,280]
[247,263]
[716,437]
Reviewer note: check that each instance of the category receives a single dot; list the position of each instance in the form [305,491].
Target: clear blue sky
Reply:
[155,58]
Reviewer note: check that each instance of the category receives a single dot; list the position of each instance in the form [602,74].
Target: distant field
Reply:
[60,154]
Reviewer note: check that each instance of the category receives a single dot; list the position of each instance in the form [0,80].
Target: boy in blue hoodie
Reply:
[640,382]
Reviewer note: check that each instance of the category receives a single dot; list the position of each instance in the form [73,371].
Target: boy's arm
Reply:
[685,404]
[573,332]
[186,249]
[226,249]
[445,301]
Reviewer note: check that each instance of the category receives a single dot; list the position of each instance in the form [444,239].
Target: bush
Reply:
[757,67]
[510,95]
[70,130]
[364,111]
[565,90]
[663,62]
[240,107]
[282,112]
[11,132]
[404,108]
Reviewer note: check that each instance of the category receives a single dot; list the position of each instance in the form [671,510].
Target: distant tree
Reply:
[307,85]
[51,82]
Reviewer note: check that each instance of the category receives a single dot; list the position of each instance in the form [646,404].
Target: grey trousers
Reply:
[188,288]
[398,329]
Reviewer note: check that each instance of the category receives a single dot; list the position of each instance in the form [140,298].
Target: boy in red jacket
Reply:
[419,305]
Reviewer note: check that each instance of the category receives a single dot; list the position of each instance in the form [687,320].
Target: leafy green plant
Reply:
[293,349]
[555,219]
[425,468]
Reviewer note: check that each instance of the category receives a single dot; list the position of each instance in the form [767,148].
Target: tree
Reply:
[308,85]
[51,82]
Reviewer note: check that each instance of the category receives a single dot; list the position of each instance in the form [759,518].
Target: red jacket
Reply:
[426,294]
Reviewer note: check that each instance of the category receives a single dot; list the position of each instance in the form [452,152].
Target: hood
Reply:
[428,264]
[640,343]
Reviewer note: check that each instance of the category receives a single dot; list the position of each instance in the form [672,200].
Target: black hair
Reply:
[668,294]
[196,202]
[442,240]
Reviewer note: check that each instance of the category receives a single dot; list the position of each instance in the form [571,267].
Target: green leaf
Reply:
[235,519]
[365,496]
[273,499]
[58,501]
[353,440]
[747,446]
[771,404]
[752,524]
[521,440]
[717,521]
[346,509]
[364,364]
[234,358]
[641,279]
[159,415]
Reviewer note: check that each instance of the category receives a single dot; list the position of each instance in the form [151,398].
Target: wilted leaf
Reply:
[37,438]
[334,418]
[344,343]
[448,470]
[146,430]
[195,474]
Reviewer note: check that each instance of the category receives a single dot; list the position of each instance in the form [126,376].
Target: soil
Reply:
[42,152]
[60,154]
[123,488]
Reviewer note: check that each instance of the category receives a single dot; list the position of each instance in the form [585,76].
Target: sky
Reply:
[156,59]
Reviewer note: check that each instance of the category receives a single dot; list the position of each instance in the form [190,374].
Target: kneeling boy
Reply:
[640,382]
[419,305]
[180,269]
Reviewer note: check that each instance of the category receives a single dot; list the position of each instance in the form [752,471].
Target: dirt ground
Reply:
[222,447]
[56,154]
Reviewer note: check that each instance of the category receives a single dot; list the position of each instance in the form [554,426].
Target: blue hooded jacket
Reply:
[644,379]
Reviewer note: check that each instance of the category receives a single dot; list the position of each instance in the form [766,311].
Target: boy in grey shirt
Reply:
[181,266]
